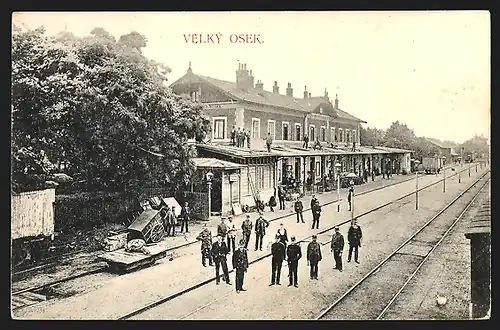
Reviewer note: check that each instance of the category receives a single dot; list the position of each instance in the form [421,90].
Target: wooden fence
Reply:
[32,213]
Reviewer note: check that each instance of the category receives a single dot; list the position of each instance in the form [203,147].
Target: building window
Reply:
[311,133]
[256,128]
[341,135]
[219,128]
[271,128]
[354,137]
[298,128]
[333,136]
[323,133]
[284,130]
[347,136]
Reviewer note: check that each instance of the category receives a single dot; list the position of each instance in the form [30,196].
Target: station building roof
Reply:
[481,222]
[215,163]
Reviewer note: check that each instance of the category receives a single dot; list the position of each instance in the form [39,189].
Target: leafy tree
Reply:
[101,107]
[477,145]
[371,136]
[398,135]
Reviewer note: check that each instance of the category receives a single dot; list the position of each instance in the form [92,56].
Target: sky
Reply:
[429,70]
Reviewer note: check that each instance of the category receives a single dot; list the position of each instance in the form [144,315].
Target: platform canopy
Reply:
[216,163]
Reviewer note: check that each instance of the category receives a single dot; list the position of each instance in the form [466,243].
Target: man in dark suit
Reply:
[354,236]
[246,227]
[281,197]
[240,264]
[219,255]
[316,210]
[260,231]
[337,247]
[278,255]
[298,208]
[293,254]
[314,257]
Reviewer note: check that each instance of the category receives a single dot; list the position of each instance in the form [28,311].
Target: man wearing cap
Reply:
[314,257]
[260,231]
[206,244]
[337,247]
[278,255]
[293,254]
[222,229]
[298,208]
[246,227]
[219,254]
[240,264]
[231,235]
[354,236]
[169,221]
[316,210]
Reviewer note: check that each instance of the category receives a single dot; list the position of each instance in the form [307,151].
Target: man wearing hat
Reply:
[206,243]
[246,227]
[240,264]
[219,253]
[293,254]
[354,236]
[298,206]
[260,231]
[337,247]
[222,228]
[231,235]
[314,257]
[278,255]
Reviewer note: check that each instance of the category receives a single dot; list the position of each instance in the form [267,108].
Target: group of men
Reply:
[281,251]
[170,219]
[238,137]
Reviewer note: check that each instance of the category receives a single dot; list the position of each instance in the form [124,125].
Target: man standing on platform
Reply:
[219,255]
[316,210]
[231,235]
[281,197]
[314,257]
[240,264]
[293,255]
[298,208]
[206,244]
[260,231]
[278,255]
[233,137]
[337,247]
[222,229]
[354,236]
[246,227]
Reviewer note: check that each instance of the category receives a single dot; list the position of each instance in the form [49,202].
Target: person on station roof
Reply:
[269,141]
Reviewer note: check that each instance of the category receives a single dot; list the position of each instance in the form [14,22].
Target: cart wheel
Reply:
[157,233]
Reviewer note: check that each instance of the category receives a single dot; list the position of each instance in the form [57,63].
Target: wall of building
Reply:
[278,118]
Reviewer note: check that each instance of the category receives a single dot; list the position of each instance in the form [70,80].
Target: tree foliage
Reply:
[371,136]
[478,145]
[101,107]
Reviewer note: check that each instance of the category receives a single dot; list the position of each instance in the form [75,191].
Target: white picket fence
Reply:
[32,213]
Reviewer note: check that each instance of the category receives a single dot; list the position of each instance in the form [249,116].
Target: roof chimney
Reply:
[259,85]
[336,102]
[244,80]
[189,68]
[289,90]
[326,93]
[305,92]
[276,88]
[309,95]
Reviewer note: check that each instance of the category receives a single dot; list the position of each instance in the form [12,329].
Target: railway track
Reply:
[211,279]
[53,261]
[373,294]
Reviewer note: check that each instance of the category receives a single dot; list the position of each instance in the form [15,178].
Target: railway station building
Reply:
[243,104]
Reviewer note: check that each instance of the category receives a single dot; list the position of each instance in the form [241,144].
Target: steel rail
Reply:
[379,265]
[205,282]
[430,252]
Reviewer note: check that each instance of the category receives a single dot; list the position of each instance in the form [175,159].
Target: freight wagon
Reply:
[432,165]
[32,224]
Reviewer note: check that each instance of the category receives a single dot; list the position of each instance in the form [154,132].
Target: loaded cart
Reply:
[149,227]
